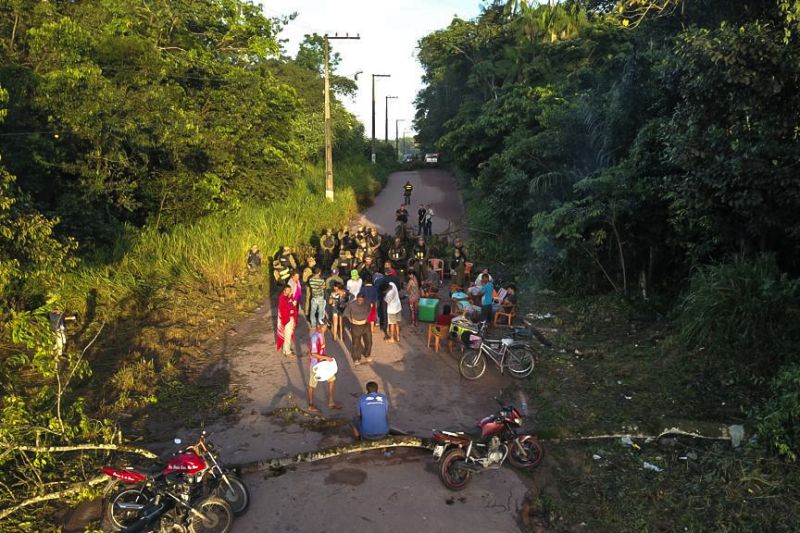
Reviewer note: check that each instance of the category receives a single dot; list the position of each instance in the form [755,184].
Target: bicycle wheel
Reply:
[519,360]
[472,364]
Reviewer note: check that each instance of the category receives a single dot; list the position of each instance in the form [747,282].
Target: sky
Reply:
[389,32]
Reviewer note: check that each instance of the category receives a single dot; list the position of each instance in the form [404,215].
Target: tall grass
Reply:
[209,256]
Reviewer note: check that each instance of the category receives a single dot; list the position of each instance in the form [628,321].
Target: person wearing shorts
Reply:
[317,355]
[394,309]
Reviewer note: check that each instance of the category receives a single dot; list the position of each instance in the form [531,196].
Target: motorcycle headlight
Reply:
[518,421]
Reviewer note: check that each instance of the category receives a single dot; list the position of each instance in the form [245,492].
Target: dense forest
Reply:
[145,147]
[644,149]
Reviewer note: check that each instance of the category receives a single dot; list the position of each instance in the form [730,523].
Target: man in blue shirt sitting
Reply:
[372,415]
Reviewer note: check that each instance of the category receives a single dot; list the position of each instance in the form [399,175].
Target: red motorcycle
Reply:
[201,476]
[494,438]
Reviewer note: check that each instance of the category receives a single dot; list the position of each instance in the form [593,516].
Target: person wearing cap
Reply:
[357,312]
[317,354]
[333,278]
[354,283]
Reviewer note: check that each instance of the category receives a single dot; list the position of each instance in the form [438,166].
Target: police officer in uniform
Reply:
[328,244]
[419,255]
[283,265]
[398,256]
[374,241]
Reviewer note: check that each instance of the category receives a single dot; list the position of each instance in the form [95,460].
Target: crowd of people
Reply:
[359,279]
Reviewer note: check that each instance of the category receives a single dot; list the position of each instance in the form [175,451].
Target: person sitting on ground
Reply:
[372,415]
[445,318]
[253,259]
[317,355]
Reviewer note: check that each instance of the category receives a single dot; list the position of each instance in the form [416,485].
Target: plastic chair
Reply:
[437,265]
[467,269]
[437,334]
[509,314]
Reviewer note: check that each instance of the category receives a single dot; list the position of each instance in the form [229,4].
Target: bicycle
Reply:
[506,353]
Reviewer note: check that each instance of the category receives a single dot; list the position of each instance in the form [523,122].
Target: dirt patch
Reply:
[346,476]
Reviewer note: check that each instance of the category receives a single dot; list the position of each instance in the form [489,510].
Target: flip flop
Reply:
[335,406]
[313,409]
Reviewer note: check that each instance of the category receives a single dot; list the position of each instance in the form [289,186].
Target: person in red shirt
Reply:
[287,320]
[445,318]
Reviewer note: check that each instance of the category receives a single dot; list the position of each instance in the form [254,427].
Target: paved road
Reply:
[431,186]
[401,492]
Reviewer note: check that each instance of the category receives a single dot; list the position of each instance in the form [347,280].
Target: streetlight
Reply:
[386,134]
[396,138]
[373,110]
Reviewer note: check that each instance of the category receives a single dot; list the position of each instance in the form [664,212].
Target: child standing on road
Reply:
[413,294]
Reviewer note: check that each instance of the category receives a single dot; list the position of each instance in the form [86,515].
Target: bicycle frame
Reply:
[497,356]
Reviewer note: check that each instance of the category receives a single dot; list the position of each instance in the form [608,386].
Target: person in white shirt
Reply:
[354,283]
[394,309]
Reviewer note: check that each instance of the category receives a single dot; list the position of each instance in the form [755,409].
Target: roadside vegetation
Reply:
[145,147]
[639,159]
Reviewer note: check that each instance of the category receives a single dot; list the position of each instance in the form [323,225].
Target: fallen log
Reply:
[276,465]
[85,447]
[66,493]
[722,433]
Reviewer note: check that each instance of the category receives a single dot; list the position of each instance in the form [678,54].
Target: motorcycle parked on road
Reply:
[202,476]
[486,446]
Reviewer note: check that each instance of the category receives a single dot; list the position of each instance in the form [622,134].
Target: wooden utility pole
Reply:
[328,125]
[372,144]
[396,137]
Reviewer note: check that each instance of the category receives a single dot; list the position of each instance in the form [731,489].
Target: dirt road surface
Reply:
[387,493]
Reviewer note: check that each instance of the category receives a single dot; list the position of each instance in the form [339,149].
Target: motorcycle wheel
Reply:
[519,361]
[218,516]
[122,518]
[453,477]
[237,495]
[525,452]
[472,365]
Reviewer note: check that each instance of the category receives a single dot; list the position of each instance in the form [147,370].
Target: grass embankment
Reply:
[614,371]
[166,294]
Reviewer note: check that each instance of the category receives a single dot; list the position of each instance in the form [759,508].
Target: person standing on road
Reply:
[487,297]
[287,320]
[428,220]
[413,294]
[372,415]
[316,290]
[421,219]
[407,188]
[394,309]
[354,283]
[317,355]
[357,312]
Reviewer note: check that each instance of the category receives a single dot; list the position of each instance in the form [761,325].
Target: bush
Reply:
[778,423]
[745,310]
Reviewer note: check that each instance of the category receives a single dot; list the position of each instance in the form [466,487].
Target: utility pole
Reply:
[386,133]
[373,111]
[328,127]
[396,138]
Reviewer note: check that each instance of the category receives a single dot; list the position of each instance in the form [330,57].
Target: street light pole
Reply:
[396,137]
[328,127]
[372,145]
[386,133]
